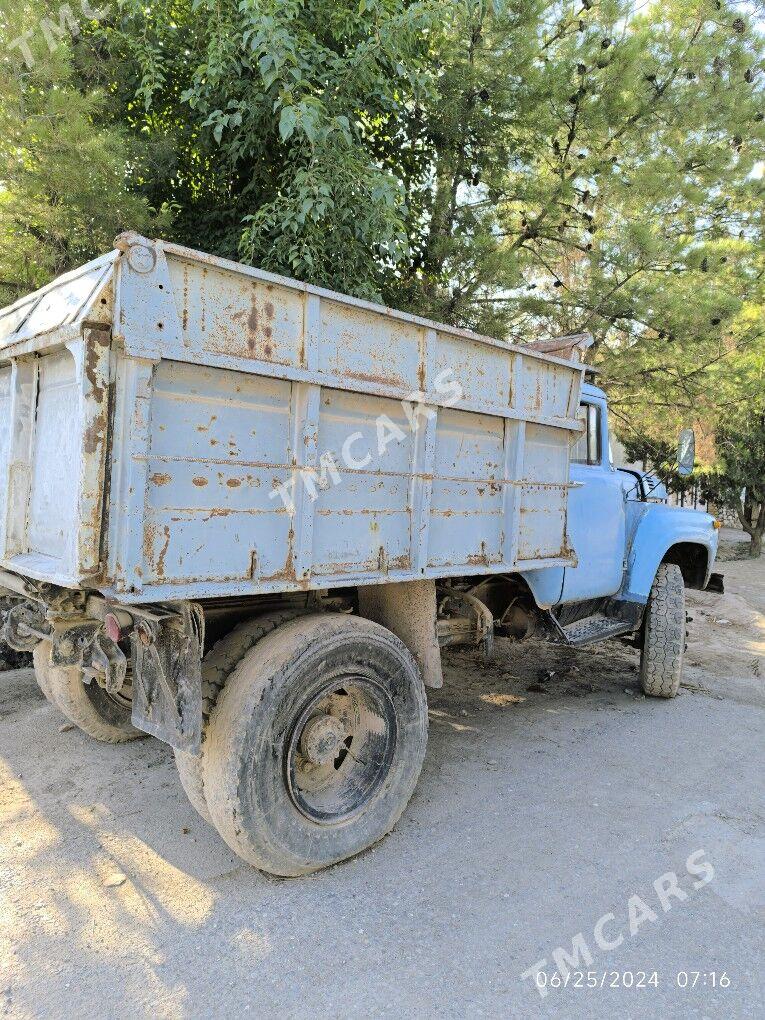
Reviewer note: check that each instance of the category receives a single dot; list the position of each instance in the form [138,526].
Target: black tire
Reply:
[217,665]
[661,660]
[41,663]
[362,681]
[103,716]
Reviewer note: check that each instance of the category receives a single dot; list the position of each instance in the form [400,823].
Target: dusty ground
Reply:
[552,793]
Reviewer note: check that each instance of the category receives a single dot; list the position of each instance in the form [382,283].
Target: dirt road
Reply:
[553,795]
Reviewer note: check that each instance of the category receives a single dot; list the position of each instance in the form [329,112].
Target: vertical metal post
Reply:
[512,488]
[304,439]
[130,466]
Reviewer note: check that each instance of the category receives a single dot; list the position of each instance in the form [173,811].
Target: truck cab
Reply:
[621,533]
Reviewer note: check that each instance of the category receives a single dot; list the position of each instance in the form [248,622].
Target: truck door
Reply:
[596,515]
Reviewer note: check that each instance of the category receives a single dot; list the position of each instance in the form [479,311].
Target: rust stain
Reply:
[287,573]
[269,309]
[380,380]
[94,436]
[234,483]
[421,375]
[252,324]
[148,542]
[160,478]
[199,481]
[163,553]
[479,559]
[185,312]
[95,338]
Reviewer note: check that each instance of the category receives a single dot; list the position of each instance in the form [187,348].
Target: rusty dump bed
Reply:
[174,426]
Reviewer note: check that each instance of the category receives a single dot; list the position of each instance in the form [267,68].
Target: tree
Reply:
[269,117]
[522,168]
[590,167]
[739,482]
[65,179]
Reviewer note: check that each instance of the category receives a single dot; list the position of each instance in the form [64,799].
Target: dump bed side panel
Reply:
[250,483]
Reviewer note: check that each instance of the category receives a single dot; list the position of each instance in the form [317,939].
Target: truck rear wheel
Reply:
[661,660]
[97,712]
[217,665]
[316,743]
[41,662]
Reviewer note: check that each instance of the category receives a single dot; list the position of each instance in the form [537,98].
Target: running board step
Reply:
[594,628]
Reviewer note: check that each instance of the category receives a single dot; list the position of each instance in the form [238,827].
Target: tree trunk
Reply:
[755,544]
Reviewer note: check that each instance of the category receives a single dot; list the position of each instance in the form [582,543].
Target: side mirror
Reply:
[686,452]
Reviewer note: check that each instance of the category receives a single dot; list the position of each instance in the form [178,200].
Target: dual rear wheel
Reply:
[96,711]
[315,729]
[315,743]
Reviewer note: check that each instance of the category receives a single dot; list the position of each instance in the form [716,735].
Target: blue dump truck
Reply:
[244,515]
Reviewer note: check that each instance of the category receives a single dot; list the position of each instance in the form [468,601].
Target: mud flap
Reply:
[167,678]
[716,584]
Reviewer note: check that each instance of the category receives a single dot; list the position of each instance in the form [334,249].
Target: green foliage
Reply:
[276,111]
[738,482]
[64,178]
[521,167]
[616,195]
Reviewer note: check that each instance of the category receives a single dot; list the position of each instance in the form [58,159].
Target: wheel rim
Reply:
[123,698]
[340,749]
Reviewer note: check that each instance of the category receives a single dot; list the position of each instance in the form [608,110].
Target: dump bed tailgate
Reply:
[54,401]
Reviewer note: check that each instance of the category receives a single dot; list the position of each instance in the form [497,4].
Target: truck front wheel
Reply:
[315,744]
[661,660]
[93,709]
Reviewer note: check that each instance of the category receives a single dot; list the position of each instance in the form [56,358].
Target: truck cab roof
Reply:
[588,390]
